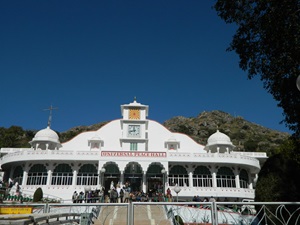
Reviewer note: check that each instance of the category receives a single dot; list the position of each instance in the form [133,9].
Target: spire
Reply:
[134,100]
[50,115]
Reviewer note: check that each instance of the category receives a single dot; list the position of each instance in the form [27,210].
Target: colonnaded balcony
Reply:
[159,213]
[9,155]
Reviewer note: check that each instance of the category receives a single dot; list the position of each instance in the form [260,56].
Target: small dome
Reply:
[219,138]
[95,138]
[172,139]
[46,135]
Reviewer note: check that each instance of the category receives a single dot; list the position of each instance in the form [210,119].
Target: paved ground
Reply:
[143,215]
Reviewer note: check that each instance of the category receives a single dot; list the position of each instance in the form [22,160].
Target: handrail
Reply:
[200,212]
[59,218]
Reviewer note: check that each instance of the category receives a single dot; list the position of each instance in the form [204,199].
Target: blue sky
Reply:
[89,57]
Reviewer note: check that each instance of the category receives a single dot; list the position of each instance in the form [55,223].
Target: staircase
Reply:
[143,215]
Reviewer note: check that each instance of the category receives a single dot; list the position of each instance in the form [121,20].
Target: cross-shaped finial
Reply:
[50,115]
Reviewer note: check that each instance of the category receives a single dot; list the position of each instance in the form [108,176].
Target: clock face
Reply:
[134,114]
[134,130]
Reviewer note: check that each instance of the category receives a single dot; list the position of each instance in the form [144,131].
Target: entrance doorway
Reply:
[107,183]
[133,176]
[155,185]
[134,182]
[111,174]
[155,179]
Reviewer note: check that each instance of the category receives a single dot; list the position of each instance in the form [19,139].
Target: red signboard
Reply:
[132,154]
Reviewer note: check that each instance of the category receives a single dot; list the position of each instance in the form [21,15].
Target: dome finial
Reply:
[134,100]
[50,115]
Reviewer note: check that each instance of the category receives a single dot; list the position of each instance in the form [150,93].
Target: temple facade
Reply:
[137,151]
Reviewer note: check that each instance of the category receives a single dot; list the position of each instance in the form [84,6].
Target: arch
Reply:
[60,168]
[133,176]
[18,175]
[202,177]
[112,174]
[133,168]
[88,168]
[225,177]
[155,179]
[202,170]
[38,168]
[87,175]
[37,175]
[178,170]
[244,178]
[178,175]
[154,168]
[62,175]
[111,168]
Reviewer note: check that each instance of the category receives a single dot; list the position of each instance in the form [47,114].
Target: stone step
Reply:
[143,215]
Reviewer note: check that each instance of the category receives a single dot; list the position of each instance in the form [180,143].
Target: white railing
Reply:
[202,181]
[36,179]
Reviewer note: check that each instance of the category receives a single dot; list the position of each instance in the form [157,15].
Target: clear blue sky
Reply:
[89,57]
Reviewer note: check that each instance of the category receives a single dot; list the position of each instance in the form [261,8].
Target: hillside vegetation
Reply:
[246,136]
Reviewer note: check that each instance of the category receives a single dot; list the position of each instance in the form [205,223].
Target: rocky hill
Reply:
[246,136]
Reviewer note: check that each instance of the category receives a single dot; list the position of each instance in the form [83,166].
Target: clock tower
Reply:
[134,127]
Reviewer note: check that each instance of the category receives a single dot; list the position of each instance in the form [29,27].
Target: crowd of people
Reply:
[124,194]
[121,194]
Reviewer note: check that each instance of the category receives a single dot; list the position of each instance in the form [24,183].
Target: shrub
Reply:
[38,195]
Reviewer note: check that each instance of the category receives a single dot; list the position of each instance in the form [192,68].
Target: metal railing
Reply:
[162,213]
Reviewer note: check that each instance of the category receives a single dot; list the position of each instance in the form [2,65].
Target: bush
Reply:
[38,195]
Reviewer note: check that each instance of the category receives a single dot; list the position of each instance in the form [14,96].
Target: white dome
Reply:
[46,135]
[95,138]
[218,138]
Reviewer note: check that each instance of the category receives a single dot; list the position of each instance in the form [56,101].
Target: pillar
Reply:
[191,179]
[25,175]
[214,177]
[74,181]
[144,182]
[237,180]
[252,179]
[49,177]
[122,178]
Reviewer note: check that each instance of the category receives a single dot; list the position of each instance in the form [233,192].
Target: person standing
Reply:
[74,197]
[122,195]
[118,189]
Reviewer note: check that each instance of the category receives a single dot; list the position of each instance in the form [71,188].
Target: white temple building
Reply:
[138,151]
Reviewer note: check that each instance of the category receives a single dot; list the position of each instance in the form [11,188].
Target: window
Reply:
[87,175]
[178,175]
[244,179]
[133,146]
[18,175]
[225,178]
[37,175]
[62,175]
[172,147]
[202,177]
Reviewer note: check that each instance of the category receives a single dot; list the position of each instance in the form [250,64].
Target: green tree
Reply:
[278,180]
[11,137]
[267,41]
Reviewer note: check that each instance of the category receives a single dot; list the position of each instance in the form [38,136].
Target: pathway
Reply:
[143,215]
